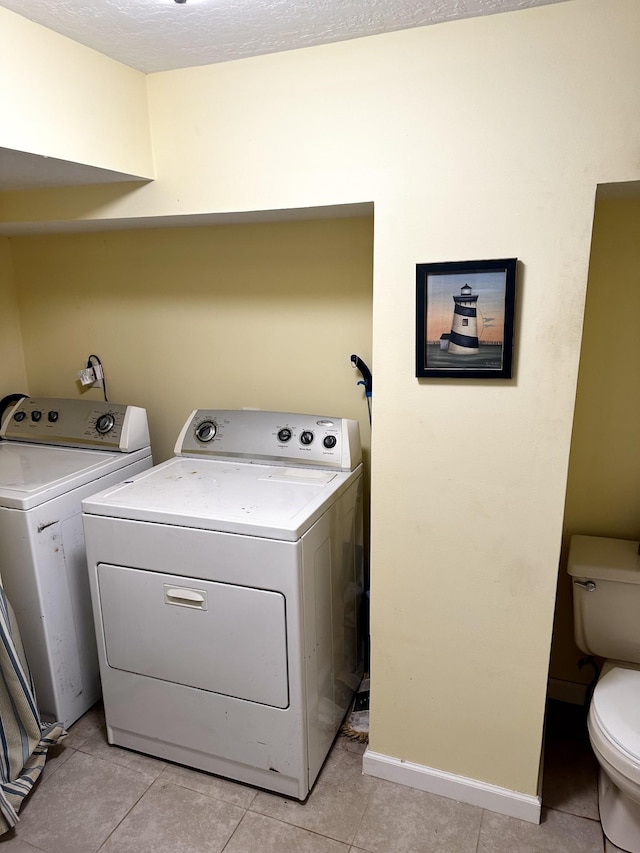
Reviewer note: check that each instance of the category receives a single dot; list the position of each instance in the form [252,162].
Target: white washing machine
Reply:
[226,586]
[55,453]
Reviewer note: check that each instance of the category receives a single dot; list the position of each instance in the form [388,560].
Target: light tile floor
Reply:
[94,797]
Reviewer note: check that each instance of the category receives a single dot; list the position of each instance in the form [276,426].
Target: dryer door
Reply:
[213,636]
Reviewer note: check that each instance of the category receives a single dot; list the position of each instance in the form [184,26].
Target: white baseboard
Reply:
[502,800]
[567,691]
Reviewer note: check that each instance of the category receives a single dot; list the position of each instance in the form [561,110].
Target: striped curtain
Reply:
[24,740]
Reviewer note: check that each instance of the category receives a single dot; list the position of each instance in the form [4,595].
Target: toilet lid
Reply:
[616,703]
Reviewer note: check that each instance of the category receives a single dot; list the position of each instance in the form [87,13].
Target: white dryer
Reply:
[226,586]
[56,452]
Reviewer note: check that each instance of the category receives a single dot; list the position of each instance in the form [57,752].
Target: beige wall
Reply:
[475,139]
[262,315]
[13,377]
[603,492]
[61,99]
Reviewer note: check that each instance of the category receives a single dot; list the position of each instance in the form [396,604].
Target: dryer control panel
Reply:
[77,423]
[277,438]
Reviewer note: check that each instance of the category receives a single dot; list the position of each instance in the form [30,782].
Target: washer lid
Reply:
[616,705]
[31,474]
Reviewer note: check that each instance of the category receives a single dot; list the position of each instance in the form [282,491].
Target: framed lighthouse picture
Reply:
[464,319]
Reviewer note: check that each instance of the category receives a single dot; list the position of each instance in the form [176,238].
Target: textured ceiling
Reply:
[161,35]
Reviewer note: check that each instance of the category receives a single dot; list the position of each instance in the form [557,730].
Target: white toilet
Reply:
[606,603]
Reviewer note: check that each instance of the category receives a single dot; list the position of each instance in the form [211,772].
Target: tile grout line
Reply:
[302,828]
[128,812]
[365,809]
[307,829]
[237,826]
[477,850]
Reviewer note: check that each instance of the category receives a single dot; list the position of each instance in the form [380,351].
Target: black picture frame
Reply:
[465,319]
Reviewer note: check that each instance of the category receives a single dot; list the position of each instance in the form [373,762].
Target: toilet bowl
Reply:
[606,596]
[614,732]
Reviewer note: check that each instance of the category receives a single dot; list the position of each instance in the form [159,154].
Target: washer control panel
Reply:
[76,423]
[281,438]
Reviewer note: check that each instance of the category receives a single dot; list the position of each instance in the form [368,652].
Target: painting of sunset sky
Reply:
[489,287]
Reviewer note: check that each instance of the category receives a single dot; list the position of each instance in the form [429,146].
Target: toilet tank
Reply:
[606,596]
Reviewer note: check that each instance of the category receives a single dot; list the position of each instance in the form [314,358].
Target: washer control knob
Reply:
[284,434]
[19,416]
[105,423]
[206,431]
[52,416]
[36,415]
[306,437]
[330,441]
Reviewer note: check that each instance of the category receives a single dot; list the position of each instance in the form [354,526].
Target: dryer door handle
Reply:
[183,596]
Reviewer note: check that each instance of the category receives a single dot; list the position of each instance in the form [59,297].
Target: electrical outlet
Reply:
[87,376]
[98,376]
[92,376]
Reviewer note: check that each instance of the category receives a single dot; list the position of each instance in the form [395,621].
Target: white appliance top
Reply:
[31,474]
[76,423]
[217,484]
[53,446]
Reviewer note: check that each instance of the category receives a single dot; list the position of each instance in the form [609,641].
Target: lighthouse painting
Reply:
[464,319]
